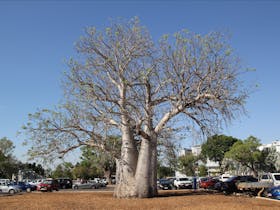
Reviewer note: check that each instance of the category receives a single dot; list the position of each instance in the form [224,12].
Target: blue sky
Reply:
[36,38]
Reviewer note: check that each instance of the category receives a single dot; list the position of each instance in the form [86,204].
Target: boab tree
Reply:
[125,84]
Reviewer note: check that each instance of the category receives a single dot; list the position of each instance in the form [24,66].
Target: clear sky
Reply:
[37,37]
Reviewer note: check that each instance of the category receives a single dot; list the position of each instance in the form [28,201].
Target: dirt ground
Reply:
[167,200]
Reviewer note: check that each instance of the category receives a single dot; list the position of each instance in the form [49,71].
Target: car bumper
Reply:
[185,186]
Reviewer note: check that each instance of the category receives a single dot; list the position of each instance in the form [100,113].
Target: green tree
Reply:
[268,160]
[8,164]
[164,171]
[126,84]
[187,164]
[6,146]
[63,170]
[105,160]
[2,156]
[216,146]
[202,170]
[246,153]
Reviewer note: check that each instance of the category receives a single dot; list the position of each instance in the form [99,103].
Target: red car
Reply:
[48,185]
[208,183]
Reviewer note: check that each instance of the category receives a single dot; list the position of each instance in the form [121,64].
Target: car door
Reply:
[86,185]
[4,188]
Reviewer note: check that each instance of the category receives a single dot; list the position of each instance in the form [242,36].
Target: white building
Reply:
[275,144]
[196,150]
[213,167]
[184,151]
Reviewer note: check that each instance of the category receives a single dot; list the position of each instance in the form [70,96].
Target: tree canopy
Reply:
[247,153]
[187,164]
[6,146]
[216,146]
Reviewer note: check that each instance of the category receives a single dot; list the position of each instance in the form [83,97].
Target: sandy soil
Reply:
[167,200]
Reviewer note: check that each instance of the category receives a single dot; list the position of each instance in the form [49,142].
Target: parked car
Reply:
[274,192]
[64,183]
[225,177]
[104,181]
[24,186]
[48,185]
[8,188]
[5,181]
[100,182]
[208,182]
[36,182]
[271,177]
[182,183]
[229,186]
[165,184]
[91,184]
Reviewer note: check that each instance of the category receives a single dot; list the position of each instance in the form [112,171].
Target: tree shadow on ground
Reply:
[172,193]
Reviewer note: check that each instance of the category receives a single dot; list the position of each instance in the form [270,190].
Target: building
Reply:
[274,144]
[196,150]
[184,151]
[213,168]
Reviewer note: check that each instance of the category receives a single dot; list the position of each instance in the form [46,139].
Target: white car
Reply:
[225,177]
[271,178]
[182,183]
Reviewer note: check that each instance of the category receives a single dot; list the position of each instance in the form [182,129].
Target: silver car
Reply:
[7,188]
[85,185]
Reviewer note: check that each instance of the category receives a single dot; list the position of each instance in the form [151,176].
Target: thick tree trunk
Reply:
[144,173]
[154,167]
[126,167]
[142,183]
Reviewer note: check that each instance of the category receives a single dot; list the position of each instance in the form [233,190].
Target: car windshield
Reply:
[183,179]
[264,177]
[47,181]
[164,181]
[277,177]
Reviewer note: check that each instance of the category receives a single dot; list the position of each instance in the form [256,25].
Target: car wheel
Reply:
[28,190]
[75,187]
[11,192]
[226,192]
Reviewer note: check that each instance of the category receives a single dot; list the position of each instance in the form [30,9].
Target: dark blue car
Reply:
[274,192]
[23,186]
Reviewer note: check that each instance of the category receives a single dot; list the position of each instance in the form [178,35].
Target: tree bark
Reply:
[154,167]
[141,182]
[126,166]
[144,173]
